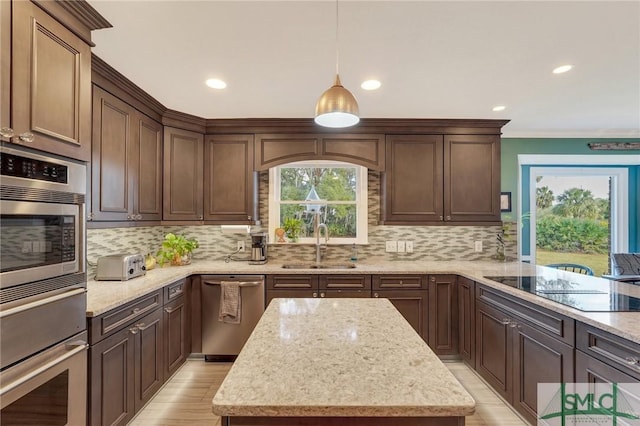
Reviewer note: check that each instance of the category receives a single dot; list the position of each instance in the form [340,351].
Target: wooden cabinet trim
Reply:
[116,319]
[592,370]
[608,348]
[281,282]
[174,290]
[383,282]
[345,282]
[554,324]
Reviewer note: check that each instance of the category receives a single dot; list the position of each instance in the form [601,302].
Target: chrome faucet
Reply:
[320,226]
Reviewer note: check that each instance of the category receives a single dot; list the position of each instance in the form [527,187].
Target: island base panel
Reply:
[334,421]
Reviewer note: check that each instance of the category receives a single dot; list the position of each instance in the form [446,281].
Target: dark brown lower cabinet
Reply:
[175,330]
[513,357]
[148,358]
[467,320]
[412,304]
[273,294]
[125,371]
[591,370]
[443,315]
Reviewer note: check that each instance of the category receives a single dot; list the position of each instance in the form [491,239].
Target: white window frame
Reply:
[361,201]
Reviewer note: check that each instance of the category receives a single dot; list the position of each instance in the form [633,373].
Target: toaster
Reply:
[120,267]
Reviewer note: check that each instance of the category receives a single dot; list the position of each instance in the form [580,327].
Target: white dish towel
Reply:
[230,302]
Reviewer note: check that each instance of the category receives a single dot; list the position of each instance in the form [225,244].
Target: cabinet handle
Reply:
[142,326]
[441,218]
[248,217]
[448,217]
[321,294]
[135,310]
[7,132]
[169,310]
[376,295]
[513,324]
[631,360]
[505,321]
[433,279]
[200,217]
[134,330]
[139,216]
[315,294]
[129,217]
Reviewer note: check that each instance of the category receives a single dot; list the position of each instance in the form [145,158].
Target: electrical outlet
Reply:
[409,246]
[240,246]
[391,247]
[401,247]
[478,246]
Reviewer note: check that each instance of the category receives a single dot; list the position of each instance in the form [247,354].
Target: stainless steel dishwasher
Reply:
[220,340]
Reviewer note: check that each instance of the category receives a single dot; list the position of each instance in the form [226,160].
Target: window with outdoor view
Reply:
[329,192]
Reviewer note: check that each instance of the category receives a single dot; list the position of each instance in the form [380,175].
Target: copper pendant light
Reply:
[337,107]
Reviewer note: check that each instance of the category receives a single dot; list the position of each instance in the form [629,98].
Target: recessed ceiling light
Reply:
[371,84]
[215,83]
[561,69]
[499,108]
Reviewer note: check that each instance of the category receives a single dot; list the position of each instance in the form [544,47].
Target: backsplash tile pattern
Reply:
[430,242]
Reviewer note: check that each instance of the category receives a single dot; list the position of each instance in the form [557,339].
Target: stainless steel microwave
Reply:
[42,204]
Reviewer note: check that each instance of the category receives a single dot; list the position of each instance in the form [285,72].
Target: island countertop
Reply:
[338,358]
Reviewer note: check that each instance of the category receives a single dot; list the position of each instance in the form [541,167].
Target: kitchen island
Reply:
[339,361]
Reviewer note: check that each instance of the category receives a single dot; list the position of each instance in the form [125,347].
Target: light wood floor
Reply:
[186,398]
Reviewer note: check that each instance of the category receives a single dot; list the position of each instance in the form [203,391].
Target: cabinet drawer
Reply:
[292,281]
[174,290]
[552,323]
[347,282]
[613,350]
[120,317]
[381,282]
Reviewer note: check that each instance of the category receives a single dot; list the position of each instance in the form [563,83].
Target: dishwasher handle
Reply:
[240,283]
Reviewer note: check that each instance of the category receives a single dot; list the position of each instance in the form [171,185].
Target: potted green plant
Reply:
[176,250]
[292,228]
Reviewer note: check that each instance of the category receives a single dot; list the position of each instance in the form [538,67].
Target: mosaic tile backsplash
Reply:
[429,242]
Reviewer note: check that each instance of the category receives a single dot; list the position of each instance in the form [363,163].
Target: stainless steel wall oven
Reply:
[43,349]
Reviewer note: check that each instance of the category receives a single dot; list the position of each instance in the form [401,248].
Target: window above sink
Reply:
[335,190]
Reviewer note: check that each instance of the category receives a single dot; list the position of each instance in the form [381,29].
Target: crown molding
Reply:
[105,76]
[78,16]
[184,121]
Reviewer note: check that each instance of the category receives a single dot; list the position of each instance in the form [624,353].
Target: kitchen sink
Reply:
[319,265]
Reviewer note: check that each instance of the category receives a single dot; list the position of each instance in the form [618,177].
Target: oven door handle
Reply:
[44,301]
[74,349]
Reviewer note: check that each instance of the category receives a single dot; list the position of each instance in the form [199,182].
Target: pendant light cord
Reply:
[337,44]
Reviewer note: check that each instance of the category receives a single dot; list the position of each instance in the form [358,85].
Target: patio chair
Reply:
[572,267]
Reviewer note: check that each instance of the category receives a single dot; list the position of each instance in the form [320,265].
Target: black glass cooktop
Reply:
[581,296]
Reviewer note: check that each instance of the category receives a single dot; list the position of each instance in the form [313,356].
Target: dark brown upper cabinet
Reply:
[126,165]
[50,83]
[229,181]
[363,149]
[183,175]
[441,179]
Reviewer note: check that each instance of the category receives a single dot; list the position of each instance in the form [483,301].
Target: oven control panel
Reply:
[31,168]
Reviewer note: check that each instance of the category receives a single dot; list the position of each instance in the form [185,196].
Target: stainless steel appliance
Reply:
[120,267]
[258,248]
[43,289]
[219,339]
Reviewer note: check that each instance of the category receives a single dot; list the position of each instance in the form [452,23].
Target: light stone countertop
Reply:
[106,295]
[338,357]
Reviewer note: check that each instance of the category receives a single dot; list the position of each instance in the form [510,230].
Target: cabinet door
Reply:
[345,282]
[175,335]
[336,293]
[111,375]
[292,282]
[494,352]
[149,348]
[229,179]
[147,170]
[466,320]
[412,304]
[538,358]
[592,370]
[443,314]
[111,150]
[472,178]
[51,83]
[412,185]
[183,175]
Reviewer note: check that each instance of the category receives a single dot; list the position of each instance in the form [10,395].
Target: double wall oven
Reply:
[43,349]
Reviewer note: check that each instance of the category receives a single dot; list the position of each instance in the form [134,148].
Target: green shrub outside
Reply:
[567,234]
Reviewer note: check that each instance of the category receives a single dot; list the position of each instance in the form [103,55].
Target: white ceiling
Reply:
[447,59]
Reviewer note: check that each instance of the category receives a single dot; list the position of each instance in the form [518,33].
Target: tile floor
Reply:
[186,398]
